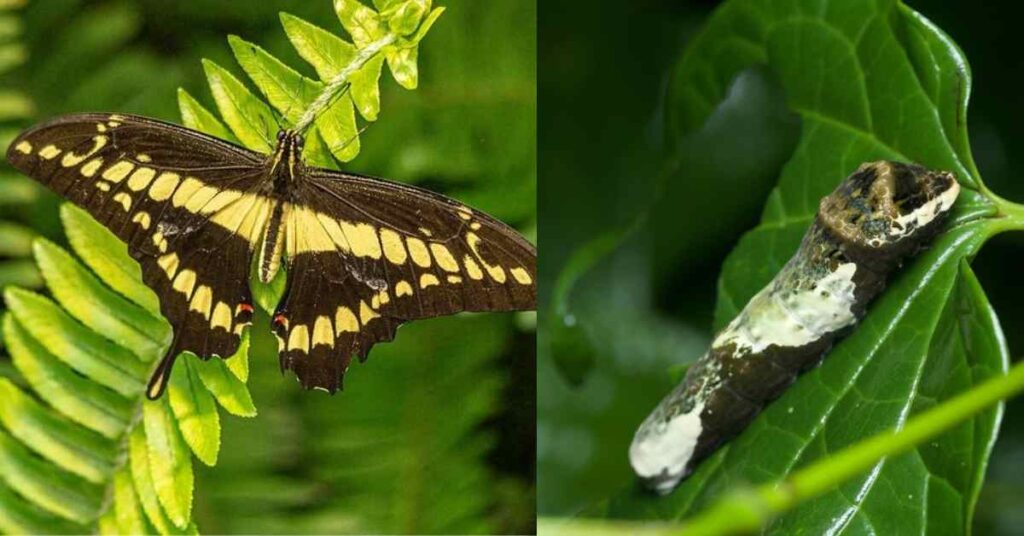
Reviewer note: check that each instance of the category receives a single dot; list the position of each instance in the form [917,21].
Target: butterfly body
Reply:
[363,255]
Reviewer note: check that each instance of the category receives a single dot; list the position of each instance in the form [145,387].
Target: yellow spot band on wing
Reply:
[164,186]
[428,280]
[345,321]
[418,252]
[91,167]
[521,276]
[394,250]
[143,219]
[202,301]
[124,199]
[362,237]
[330,225]
[221,316]
[169,264]
[24,147]
[189,186]
[71,159]
[49,152]
[140,180]
[118,171]
[298,339]
[366,314]
[185,283]
[221,200]
[403,288]
[496,272]
[444,257]
[323,332]
[472,268]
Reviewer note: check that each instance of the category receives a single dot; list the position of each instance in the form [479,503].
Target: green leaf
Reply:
[142,477]
[252,121]
[239,363]
[337,125]
[77,398]
[66,444]
[20,517]
[196,413]
[92,303]
[404,18]
[107,256]
[329,54]
[326,52]
[287,90]
[268,295]
[930,335]
[196,116]
[126,506]
[55,490]
[365,89]
[361,22]
[169,462]
[402,62]
[427,24]
[229,391]
[83,350]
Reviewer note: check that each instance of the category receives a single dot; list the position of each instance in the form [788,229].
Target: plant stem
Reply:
[340,82]
[749,509]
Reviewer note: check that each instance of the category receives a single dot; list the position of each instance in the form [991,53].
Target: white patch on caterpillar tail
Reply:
[924,214]
[663,455]
[796,319]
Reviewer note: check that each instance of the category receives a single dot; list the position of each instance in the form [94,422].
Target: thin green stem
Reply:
[341,81]
[749,509]
[1010,215]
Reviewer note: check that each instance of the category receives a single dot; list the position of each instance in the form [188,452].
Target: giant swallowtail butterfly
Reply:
[880,215]
[363,255]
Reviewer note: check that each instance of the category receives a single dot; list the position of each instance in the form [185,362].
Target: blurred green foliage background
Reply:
[648,306]
[436,432]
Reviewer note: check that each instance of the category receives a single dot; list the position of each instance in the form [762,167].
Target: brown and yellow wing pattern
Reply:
[364,255]
[178,199]
[367,255]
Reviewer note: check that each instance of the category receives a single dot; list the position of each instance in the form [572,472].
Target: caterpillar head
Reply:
[889,207]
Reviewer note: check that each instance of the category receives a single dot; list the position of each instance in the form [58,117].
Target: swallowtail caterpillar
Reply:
[880,215]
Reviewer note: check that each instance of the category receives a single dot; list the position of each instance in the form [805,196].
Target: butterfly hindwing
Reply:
[367,255]
[364,255]
[182,202]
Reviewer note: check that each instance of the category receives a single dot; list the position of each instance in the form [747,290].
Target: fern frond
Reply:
[348,71]
[81,449]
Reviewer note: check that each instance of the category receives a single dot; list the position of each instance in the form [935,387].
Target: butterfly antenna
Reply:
[353,139]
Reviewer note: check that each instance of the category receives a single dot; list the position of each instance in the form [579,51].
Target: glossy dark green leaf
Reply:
[930,335]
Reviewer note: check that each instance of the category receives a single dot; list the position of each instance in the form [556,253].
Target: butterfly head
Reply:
[288,155]
[889,206]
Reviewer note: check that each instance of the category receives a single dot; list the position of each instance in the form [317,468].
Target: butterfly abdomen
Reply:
[882,213]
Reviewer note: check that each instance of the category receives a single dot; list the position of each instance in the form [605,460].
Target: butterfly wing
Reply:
[186,204]
[368,255]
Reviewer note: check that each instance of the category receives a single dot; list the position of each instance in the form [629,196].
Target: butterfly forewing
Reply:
[175,196]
